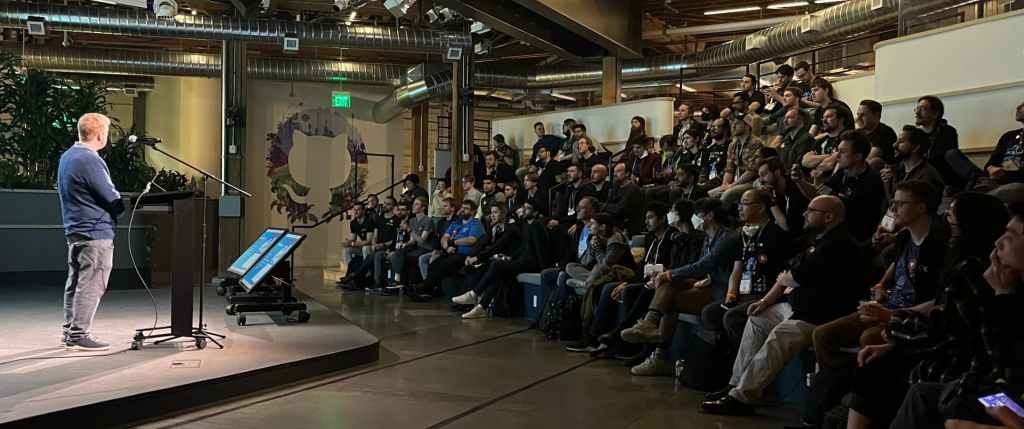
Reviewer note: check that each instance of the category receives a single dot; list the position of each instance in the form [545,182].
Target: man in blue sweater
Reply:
[89,205]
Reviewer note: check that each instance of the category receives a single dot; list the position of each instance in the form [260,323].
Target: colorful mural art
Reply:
[289,194]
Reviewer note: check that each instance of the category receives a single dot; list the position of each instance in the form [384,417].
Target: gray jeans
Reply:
[770,340]
[89,265]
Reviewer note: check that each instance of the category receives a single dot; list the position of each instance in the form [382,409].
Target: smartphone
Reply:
[1001,400]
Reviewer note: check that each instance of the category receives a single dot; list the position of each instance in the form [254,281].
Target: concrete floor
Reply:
[439,371]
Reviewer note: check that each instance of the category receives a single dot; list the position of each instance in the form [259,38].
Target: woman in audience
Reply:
[943,344]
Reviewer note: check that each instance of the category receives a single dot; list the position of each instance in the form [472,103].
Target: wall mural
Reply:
[289,194]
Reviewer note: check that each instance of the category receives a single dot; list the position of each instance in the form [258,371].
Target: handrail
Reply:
[332,216]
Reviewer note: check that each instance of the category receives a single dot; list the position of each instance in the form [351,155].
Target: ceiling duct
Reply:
[835,23]
[137,22]
[159,63]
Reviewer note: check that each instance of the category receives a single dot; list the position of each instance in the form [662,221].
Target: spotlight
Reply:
[340,5]
[447,15]
[290,44]
[398,8]
[165,8]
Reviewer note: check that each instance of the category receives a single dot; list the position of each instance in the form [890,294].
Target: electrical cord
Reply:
[72,356]
[131,254]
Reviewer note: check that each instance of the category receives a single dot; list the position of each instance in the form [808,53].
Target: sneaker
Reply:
[585,345]
[718,394]
[468,298]
[655,364]
[86,344]
[575,284]
[478,312]
[727,406]
[642,332]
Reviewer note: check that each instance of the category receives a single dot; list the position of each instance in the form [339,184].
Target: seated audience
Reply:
[506,155]
[528,251]
[1007,160]
[456,244]
[637,131]
[822,159]
[451,214]
[598,185]
[492,196]
[363,228]
[951,329]
[643,165]
[418,242]
[494,167]
[859,187]
[469,190]
[684,122]
[500,240]
[534,194]
[715,153]
[413,189]
[788,203]
[748,85]
[742,159]
[928,116]
[441,193]
[790,102]
[823,283]
[824,97]
[684,184]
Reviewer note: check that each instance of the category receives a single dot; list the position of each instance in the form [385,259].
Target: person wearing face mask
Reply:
[689,288]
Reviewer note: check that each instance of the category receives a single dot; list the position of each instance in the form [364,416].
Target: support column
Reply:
[420,132]
[232,147]
[462,123]
[611,80]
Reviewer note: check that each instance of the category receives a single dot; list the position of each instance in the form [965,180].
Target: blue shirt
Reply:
[89,203]
[584,242]
[464,229]
[902,294]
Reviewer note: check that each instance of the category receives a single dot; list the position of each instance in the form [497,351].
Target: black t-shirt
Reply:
[387,229]
[828,146]
[864,197]
[764,254]
[362,227]
[712,162]
[831,273]
[793,204]
[1009,152]
[884,138]
[759,97]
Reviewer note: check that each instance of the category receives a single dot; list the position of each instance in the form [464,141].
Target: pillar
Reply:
[611,80]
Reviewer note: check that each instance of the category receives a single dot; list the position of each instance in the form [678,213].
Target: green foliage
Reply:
[38,122]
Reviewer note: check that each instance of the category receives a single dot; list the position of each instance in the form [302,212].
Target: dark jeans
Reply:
[487,287]
[731,322]
[401,256]
[636,298]
[444,266]
[920,408]
[89,265]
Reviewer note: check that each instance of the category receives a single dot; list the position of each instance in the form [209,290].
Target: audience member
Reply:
[715,153]
[506,155]
[501,172]
[565,201]
[743,157]
[492,196]
[456,244]
[684,122]
[470,192]
[643,166]
[451,214]
[625,201]
[441,192]
[859,187]
[362,229]
[598,184]
[535,195]
[911,147]
[824,97]
[500,241]
[882,137]
[547,141]
[823,283]
[790,102]
[929,116]
[788,203]
[684,185]
[748,85]
[823,158]
[418,242]
[1007,160]
[413,189]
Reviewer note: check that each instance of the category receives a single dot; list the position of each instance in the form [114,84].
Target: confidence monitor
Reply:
[280,250]
[256,251]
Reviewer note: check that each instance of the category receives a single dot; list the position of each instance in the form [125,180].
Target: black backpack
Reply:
[561,319]
[708,365]
[508,301]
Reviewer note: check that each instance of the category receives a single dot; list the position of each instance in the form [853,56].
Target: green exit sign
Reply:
[341,99]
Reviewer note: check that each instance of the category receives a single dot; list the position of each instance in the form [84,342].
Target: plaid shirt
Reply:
[743,156]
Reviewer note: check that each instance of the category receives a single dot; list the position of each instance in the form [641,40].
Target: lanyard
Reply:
[655,248]
[748,244]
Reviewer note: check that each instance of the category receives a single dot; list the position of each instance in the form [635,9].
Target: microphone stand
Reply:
[200,333]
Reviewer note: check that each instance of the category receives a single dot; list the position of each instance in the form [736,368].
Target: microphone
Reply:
[147,141]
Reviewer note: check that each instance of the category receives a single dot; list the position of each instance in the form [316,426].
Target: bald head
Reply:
[824,213]
[93,129]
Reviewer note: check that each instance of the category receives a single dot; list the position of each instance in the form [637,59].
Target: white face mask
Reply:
[698,222]
[673,218]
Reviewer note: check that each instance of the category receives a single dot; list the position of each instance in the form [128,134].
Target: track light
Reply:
[733,10]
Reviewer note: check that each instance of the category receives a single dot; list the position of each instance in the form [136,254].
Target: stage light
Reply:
[165,8]
[733,10]
[788,4]
[36,26]
[686,88]
[398,8]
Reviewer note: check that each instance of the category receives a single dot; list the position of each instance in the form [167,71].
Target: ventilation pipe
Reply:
[161,63]
[834,23]
[139,22]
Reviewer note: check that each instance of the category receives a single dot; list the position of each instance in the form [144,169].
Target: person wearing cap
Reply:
[742,158]
[413,190]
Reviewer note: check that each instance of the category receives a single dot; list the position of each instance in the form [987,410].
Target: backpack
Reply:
[708,365]
[508,301]
[561,318]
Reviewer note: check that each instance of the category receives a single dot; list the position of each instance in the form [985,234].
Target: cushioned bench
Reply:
[534,295]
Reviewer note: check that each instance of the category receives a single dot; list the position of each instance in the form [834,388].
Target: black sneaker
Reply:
[718,394]
[727,406]
[86,344]
[582,346]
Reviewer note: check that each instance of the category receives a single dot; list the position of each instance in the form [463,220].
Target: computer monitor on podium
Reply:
[277,253]
[250,256]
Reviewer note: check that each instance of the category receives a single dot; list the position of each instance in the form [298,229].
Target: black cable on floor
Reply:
[6,362]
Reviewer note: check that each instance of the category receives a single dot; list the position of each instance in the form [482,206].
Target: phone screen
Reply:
[1001,400]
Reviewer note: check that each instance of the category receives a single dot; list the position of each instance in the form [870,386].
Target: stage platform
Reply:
[125,386]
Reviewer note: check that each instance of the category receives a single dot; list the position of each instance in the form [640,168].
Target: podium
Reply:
[188,233]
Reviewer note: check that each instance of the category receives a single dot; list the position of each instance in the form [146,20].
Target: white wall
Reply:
[606,124]
[185,113]
[317,162]
[976,68]
[853,89]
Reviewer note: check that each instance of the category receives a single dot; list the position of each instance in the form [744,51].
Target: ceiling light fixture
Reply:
[788,4]
[827,1]
[733,10]
[686,88]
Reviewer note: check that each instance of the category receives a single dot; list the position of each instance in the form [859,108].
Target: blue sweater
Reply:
[89,203]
